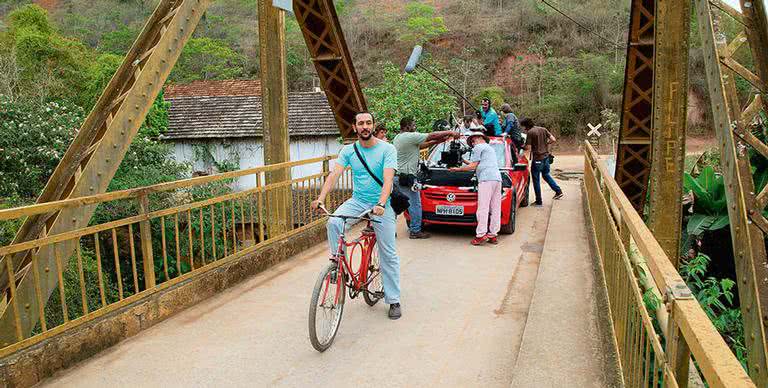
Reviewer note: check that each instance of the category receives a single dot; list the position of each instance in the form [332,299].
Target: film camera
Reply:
[452,157]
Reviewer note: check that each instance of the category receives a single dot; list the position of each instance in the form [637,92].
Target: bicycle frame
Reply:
[366,242]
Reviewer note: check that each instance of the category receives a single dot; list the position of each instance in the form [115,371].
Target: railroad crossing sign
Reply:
[593,130]
[593,135]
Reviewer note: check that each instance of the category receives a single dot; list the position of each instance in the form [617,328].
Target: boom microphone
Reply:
[413,63]
[414,59]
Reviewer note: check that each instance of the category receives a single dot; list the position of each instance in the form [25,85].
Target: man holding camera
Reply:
[408,143]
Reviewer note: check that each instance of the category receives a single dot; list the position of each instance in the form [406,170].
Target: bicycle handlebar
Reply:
[366,215]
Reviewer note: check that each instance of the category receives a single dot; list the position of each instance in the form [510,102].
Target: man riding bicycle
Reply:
[367,194]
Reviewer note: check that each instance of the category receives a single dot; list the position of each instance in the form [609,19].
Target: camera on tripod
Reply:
[452,157]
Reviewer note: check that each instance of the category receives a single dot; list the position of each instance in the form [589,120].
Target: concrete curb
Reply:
[563,342]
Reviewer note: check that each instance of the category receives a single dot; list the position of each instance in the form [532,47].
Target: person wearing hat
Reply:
[483,161]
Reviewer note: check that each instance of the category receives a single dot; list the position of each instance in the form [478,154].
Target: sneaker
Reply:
[559,195]
[479,240]
[492,240]
[538,204]
[394,311]
[419,235]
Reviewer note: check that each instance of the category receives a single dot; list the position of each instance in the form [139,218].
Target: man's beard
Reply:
[365,134]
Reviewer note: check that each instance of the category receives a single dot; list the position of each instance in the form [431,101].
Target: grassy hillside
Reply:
[543,63]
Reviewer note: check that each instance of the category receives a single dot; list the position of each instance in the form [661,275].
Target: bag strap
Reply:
[362,160]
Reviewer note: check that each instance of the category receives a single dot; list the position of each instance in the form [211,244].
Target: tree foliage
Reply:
[416,94]
[421,24]
[34,139]
[206,58]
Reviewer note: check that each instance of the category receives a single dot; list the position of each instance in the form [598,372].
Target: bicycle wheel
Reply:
[326,307]
[375,287]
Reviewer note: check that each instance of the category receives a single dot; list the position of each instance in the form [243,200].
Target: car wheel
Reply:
[524,202]
[509,228]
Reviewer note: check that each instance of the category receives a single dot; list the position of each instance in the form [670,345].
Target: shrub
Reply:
[416,94]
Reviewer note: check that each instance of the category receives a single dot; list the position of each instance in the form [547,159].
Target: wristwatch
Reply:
[381,205]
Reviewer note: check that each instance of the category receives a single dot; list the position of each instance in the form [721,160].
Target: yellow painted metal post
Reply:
[145,230]
[274,92]
[670,99]
[748,238]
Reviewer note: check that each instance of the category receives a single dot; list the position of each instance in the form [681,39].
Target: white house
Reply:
[217,123]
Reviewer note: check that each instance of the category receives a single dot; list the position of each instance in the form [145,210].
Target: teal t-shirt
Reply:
[382,155]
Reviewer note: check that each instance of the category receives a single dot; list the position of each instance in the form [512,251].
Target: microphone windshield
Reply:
[414,59]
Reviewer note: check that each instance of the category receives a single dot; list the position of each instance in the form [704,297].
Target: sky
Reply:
[733,3]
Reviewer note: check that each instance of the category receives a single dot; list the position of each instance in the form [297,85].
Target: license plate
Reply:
[450,210]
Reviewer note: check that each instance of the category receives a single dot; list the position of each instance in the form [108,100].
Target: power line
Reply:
[585,28]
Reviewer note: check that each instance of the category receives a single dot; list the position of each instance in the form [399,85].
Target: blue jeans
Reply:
[542,167]
[385,240]
[414,206]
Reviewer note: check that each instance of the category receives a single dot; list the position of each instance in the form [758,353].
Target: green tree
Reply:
[421,24]
[416,94]
[34,139]
[30,17]
[204,59]
[118,41]
[48,65]
[100,72]
[468,72]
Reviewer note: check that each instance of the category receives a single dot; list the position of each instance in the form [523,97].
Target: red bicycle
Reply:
[327,303]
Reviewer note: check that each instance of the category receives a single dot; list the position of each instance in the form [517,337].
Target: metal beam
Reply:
[748,240]
[325,41]
[633,156]
[274,91]
[98,149]
[670,102]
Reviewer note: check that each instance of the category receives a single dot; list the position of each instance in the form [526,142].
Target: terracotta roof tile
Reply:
[232,87]
[309,114]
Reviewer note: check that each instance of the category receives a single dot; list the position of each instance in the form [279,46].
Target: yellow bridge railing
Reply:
[179,229]
[647,359]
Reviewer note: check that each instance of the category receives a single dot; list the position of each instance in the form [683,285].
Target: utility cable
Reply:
[585,28]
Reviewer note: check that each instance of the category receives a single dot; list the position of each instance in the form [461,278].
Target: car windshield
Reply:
[501,155]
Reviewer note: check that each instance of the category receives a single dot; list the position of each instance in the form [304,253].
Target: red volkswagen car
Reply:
[450,198]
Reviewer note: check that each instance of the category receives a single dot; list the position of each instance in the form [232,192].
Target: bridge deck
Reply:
[465,311]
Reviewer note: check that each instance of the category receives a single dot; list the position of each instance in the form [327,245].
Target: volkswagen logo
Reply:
[450,197]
